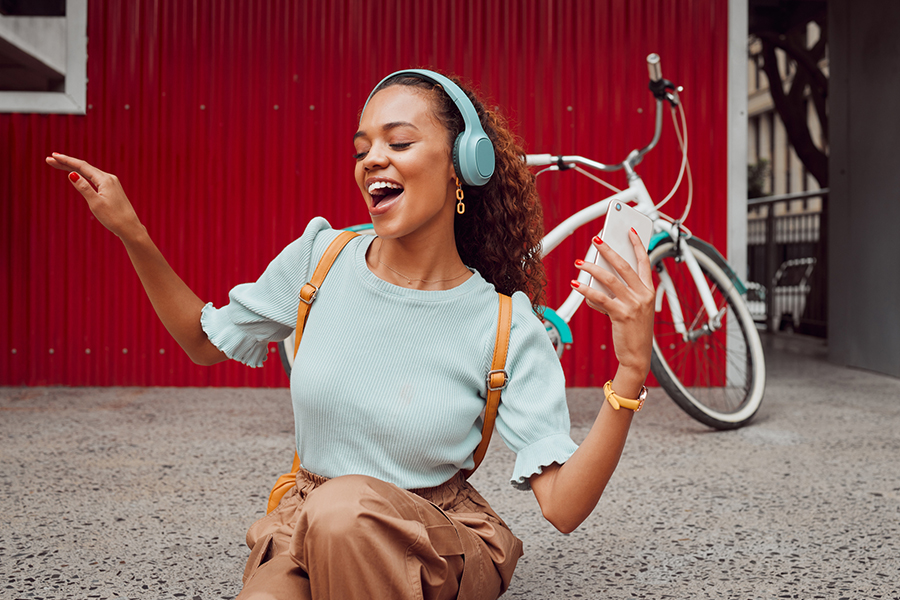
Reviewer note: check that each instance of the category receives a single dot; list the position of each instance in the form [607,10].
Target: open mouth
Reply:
[383,191]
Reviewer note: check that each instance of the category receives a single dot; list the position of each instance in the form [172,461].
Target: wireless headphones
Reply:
[473,152]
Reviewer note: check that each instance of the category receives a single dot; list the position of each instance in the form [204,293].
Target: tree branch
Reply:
[792,110]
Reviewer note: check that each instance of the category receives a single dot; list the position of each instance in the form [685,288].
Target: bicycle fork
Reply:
[666,289]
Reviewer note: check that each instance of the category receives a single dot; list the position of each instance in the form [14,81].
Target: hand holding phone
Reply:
[620,218]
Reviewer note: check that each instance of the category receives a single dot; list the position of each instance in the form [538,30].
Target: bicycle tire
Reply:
[723,385]
[286,353]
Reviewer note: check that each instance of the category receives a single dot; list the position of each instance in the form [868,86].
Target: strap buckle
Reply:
[493,386]
[306,293]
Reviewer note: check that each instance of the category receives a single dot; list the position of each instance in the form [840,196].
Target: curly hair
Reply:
[500,232]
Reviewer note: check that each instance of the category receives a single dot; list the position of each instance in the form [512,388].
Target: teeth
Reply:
[379,185]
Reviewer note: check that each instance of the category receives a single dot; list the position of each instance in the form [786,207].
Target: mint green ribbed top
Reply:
[389,381]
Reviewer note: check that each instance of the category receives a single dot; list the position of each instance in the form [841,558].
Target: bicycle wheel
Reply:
[555,338]
[716,375]
[286,353]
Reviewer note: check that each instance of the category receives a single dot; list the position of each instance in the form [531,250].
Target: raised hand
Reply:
[568,493]
[108,201]
[631,311]
[177,306]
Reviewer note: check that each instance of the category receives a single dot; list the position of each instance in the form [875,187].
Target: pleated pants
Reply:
[358,537]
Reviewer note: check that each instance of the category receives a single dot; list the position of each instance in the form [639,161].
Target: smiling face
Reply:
[403,165]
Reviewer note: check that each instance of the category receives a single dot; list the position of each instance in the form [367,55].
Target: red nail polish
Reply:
[579,262]
[597,240]
[575,283]
[633,231]
[73,176]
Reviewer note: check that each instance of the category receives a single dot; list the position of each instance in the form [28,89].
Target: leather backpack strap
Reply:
[496,380]
[307,297]
[309,290]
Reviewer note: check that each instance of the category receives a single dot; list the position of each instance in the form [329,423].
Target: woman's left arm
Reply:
[568,493]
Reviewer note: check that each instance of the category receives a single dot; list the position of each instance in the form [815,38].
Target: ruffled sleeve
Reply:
[266,311]
[533,418]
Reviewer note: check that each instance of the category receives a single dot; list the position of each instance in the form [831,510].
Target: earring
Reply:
[460,207]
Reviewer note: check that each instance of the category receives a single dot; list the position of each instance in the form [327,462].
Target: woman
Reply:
[386,423]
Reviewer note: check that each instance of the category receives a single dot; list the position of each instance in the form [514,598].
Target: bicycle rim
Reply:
[716,377]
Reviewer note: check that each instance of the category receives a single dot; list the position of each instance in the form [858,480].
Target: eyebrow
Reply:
[386,127]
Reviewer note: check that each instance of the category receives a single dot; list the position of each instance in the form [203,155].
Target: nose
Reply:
[375,158]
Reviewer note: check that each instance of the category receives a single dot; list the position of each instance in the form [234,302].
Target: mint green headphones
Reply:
[473,152]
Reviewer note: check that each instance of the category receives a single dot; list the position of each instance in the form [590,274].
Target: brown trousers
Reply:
[359,537]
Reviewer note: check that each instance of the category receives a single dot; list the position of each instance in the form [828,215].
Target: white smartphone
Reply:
[620,218]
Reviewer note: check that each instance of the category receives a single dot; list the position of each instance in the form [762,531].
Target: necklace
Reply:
[409,280]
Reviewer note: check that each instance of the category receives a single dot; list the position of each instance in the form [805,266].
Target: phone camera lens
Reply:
[618,206]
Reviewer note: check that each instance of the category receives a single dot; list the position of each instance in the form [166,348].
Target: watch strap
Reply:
[617,401]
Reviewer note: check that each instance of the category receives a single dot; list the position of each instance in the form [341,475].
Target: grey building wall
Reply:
[864,173]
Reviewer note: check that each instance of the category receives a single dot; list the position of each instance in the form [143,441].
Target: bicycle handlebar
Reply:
[567,162]
[653,67]
[660,88]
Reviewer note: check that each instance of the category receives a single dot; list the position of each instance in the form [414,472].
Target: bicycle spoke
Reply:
[713,371]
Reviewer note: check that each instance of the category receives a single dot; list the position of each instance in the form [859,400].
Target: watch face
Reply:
[641,398]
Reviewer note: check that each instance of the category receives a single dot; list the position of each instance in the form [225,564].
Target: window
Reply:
[43,56]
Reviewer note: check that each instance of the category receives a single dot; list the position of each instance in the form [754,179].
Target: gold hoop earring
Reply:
[460,207]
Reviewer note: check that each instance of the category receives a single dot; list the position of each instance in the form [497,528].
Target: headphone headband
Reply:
[473,152]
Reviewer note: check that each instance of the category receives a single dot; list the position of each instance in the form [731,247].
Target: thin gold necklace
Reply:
[409,280]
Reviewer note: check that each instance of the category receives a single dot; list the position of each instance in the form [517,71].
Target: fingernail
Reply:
[597,240]
[633,231]
[575,283]
[579,262]
[73,176]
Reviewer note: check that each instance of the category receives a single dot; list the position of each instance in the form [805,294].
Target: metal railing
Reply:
[787,261]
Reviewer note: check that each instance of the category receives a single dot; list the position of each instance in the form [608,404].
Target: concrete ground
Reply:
[147,493]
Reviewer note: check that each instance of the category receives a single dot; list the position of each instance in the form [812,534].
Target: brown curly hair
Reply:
[500,232]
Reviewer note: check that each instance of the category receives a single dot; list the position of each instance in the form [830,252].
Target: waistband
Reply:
[442,494]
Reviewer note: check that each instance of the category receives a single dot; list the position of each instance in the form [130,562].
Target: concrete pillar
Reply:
[864,204]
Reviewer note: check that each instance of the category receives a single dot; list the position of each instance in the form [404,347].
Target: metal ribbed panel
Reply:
[230,125]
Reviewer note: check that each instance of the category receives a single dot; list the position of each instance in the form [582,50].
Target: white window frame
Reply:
[73,99]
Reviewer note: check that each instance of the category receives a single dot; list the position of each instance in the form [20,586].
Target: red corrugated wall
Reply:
[230,125]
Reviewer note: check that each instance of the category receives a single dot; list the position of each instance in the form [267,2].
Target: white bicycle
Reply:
[707,354]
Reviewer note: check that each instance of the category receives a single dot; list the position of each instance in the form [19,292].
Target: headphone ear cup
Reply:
[473,158]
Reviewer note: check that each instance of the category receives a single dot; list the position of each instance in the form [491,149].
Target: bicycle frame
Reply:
[636,193]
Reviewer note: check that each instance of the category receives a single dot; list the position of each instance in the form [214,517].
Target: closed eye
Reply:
[395,146]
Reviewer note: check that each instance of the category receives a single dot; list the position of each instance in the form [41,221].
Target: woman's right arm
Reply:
[176,304]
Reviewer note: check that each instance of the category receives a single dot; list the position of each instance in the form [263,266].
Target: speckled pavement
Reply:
[147,493]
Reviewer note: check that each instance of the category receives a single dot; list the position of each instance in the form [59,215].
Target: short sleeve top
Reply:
[389,381]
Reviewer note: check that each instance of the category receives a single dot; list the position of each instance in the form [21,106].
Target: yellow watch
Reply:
[617,401]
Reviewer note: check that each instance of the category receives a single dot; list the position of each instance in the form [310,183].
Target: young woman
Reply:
[386,422]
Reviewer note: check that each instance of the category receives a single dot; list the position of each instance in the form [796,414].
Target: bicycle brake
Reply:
[562,166]
[661,91]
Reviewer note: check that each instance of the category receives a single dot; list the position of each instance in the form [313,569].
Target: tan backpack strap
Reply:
[496,379]
[310,289]
[307,296]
